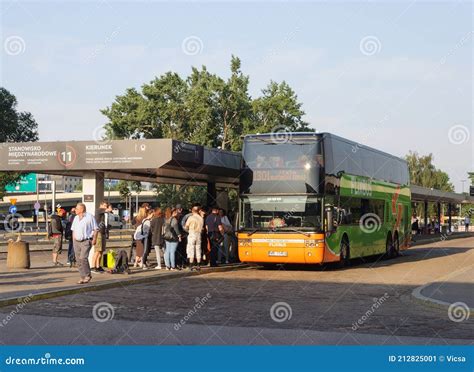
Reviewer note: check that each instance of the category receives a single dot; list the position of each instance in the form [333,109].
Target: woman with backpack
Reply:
[172,237]
[141,237]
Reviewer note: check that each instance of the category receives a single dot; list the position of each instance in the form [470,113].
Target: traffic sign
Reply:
[27,183]
[37,206]
[13,201]
[13,209]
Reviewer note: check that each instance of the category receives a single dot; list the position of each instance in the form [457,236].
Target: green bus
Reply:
[312,198]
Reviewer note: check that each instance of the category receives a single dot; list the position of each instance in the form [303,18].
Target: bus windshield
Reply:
[280,212]
[290,167]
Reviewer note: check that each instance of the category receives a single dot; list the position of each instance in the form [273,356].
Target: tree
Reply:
[234,106]
[170,195]
[123,188]
[424,173]
[15,127]
[204,109]
[277,110]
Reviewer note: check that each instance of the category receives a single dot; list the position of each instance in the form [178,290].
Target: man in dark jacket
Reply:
[55,232]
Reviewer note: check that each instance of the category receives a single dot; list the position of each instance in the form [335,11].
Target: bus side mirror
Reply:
[329,209]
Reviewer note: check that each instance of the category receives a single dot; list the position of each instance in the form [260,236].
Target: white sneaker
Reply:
[158,268]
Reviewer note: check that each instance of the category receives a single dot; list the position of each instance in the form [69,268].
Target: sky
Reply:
[395,75]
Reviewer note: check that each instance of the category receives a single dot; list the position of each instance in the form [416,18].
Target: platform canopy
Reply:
[419,193]
[151,160]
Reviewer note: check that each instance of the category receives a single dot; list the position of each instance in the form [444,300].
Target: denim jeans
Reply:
[170,254]
[224,249]
[71,257]
[158,255]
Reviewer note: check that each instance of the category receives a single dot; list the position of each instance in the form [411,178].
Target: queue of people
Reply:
[182,240]
[200,237]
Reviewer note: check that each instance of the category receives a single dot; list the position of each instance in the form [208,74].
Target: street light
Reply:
[462,182]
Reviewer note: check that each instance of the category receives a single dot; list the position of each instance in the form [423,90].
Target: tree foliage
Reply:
[204,108]
[424,173]
[15,126]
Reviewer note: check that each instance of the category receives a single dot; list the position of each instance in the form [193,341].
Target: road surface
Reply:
[369,303]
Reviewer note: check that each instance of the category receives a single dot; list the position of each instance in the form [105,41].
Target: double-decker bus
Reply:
[312,198]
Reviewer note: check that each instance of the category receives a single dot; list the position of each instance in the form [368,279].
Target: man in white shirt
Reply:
[467,222]
[194,225]
[84,233]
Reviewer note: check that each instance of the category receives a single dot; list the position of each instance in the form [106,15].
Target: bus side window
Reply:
[365,207]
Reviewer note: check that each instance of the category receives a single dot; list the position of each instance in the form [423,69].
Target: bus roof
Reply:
[325,135]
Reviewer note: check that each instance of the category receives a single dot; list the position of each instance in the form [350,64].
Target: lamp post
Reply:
[462,182]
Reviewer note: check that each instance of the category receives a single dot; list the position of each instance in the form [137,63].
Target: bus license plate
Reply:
[277,254]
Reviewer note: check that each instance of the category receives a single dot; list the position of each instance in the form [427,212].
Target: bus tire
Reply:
[396,246]
[345,254]
[389,247]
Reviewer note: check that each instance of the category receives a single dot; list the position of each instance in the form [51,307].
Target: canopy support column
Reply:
[92,190]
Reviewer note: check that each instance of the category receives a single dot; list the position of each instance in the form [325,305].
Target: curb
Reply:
[113,284]
[418,297]
[49,249]
[440,239]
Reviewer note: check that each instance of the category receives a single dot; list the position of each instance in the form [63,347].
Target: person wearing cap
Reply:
[56,232]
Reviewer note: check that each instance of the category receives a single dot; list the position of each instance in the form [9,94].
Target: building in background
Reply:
[63,183]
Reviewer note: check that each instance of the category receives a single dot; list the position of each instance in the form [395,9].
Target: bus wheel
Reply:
[345,255]
[396,246]
[389,247]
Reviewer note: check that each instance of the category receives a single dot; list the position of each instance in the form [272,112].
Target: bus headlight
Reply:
[312,243]
[245,242]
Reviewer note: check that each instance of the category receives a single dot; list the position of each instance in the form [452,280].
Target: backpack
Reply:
[168,232]
[68,231]
[57,228]
[139,233]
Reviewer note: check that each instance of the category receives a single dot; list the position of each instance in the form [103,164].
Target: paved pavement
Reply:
[456,287]
[45,280]
[369,303]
